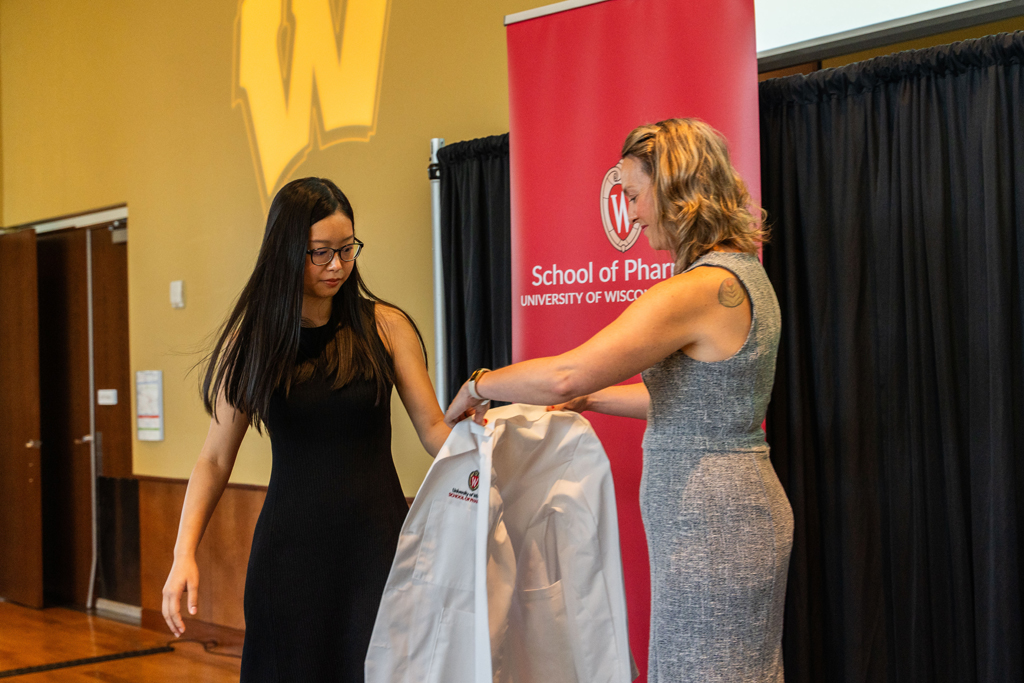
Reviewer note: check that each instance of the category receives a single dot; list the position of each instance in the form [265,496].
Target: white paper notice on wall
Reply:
[149,404]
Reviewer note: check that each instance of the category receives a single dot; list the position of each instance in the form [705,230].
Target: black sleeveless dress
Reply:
[327,534]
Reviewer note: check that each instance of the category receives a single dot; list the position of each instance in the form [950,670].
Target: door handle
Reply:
[34,443]
[85,439]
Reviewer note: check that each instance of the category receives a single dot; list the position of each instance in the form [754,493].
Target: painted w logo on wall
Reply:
[307,72]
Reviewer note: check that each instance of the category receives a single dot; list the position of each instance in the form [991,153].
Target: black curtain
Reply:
[476,244]
[895,190]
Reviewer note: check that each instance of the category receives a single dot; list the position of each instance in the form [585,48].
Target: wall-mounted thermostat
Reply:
[178,294]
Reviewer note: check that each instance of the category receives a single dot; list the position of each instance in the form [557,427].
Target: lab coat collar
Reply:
[468,435]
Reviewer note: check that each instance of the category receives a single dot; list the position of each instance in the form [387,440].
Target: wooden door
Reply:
[110,333]
[21,536]
[118,574]
[65,395]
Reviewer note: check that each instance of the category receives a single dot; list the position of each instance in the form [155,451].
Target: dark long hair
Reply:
[256,348]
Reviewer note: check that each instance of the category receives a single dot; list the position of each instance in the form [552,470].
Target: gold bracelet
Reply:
[471,384]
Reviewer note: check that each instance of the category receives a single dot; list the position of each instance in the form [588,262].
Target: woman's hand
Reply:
[205,486]
[577,405]
[184,575]
[465,406]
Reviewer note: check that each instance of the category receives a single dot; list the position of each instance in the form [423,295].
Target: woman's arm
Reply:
[623,400]
[411,378]
[681,312]
[205,486]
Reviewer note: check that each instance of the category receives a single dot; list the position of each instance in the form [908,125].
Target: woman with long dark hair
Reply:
[312,355]
[719,526]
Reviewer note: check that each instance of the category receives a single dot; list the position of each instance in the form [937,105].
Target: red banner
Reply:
[579,81]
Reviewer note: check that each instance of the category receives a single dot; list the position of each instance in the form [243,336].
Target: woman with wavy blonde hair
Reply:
[699,199]
[719,526]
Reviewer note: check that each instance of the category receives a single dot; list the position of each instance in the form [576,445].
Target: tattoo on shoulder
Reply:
[730,293]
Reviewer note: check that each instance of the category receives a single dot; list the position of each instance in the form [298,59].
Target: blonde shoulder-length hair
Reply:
[702,202]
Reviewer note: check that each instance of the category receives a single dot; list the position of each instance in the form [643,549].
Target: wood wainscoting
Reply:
[222,557]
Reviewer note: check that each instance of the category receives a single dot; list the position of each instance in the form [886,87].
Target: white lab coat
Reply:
[529,496]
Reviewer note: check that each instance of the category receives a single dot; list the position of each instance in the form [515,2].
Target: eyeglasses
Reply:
[324,255]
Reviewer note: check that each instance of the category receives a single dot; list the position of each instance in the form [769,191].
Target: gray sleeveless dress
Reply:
[719,526]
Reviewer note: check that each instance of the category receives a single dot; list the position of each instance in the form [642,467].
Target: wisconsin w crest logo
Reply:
[619,230]
[307,73]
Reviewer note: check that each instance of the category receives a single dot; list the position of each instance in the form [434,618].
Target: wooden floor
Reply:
[30,637]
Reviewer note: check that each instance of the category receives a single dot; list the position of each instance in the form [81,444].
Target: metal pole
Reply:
[440,345]
[91,599]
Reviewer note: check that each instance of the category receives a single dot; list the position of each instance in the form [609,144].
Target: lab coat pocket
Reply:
[548,652]
[452,658]
[445,556]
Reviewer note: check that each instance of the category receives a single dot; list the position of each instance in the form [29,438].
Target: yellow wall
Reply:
[1,135]
[1005,26]
[107,102]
